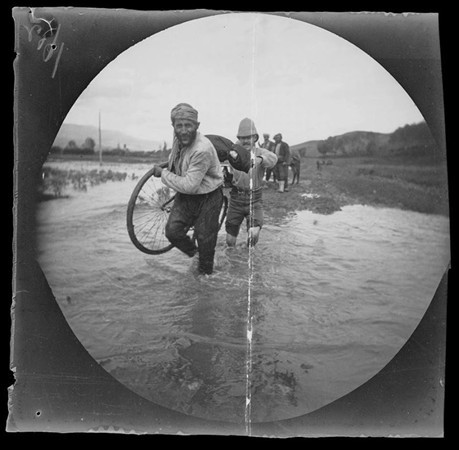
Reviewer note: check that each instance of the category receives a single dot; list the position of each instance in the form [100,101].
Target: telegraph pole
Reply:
[100,143]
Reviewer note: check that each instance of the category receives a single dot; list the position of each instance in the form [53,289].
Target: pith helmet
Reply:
[246,128]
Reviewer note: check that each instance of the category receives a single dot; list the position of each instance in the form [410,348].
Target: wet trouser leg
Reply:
[206,230]
[203,212]
[181,219]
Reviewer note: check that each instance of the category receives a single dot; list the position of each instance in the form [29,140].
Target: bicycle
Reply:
[151,202]
[148,211]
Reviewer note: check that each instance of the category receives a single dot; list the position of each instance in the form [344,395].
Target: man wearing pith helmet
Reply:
[246,192]
[194,172]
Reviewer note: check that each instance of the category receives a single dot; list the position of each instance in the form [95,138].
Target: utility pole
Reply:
[100,143]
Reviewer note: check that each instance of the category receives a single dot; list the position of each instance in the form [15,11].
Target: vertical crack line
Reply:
[248,389]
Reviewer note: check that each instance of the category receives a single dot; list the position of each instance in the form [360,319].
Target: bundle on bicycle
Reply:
[180,203]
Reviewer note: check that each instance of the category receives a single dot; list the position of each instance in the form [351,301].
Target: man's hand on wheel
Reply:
[157,170]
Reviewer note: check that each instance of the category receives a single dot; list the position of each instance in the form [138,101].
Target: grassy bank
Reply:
[415,184]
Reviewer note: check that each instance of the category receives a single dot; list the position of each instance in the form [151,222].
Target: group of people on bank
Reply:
[286,158]
[195,172]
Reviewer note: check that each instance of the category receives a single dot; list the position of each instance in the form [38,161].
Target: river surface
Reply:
[333,299]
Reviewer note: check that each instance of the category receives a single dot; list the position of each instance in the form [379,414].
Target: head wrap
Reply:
[184,111]
[246,128]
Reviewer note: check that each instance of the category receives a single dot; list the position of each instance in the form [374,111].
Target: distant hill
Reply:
[308,148]
[347,144]
[110,138]
[409,140]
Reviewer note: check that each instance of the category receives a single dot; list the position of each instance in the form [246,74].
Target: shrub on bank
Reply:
[55,182]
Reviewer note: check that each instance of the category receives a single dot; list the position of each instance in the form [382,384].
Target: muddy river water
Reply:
[333,298]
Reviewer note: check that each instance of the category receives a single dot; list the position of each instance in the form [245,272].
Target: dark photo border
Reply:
[58,385]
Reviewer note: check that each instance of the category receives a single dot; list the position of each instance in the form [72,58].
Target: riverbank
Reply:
[415,186]
[411,184]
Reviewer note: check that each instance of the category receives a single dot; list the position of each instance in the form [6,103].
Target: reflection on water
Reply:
[333,298]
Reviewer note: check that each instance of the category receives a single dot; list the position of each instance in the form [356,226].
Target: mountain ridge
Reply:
[410,139]
[110,138]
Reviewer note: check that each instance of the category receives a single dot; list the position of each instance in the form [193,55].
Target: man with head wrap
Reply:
[194,172]
[246,193]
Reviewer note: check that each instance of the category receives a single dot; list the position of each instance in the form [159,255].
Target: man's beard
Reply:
[189,138]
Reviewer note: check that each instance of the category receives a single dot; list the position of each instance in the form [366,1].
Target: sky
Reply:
[288,76]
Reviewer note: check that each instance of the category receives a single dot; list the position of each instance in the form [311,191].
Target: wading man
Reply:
[194,172]
[246,192]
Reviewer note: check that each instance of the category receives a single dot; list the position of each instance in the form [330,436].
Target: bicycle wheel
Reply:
[147,214]
[223,211]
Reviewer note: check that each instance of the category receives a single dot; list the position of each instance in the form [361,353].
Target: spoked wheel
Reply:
[147,214]
[223,211]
